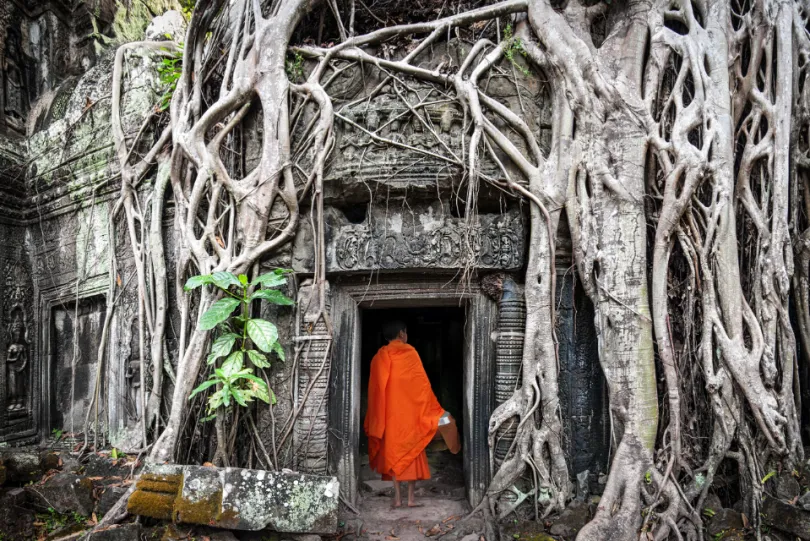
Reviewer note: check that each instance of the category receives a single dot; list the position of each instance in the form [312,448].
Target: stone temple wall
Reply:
[392,210]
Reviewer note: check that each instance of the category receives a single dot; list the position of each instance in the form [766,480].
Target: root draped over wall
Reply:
[679,150]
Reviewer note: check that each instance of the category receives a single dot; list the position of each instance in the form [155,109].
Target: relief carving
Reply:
[17,363]
[132,375]
[17,318]
[15,107]
[494,242]
[417,154]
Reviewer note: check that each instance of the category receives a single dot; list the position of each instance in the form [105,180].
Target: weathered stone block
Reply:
[786,517]
[725,521]
[17,522]
[238,499]
[65,492]
[23,466]
[108,498]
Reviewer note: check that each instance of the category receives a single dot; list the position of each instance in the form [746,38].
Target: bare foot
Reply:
[414,504]
[397,505]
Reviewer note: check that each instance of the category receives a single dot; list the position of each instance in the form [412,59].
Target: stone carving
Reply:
[493,242]
[132,375]
[415,156]
[17,312]
[16,364]
[14,81]
[311,429]
[508,356]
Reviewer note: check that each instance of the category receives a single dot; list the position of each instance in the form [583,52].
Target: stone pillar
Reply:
[508,357]
[312,383]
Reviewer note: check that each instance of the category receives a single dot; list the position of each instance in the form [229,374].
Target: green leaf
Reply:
[260,389]
[218,313]
[208,418]
[222,346]
[273,296]
[224,280]
[238,396]
[202,387]
[233,363]
[271,279]
[263,333]
[258,359]
[243,279]
[279,351]
[197,281]
[768,476]
[216,400]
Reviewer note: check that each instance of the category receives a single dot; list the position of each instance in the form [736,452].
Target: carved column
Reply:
[508,357]
[312,384]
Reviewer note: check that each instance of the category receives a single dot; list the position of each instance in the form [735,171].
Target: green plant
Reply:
[768,476]
[187,6]
[57,434]
[53,520]
[648,478]
[295,66]
[169,71]
[235,379]
[511,46]
[114,453]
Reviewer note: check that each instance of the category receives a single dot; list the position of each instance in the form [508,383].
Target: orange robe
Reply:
[403,413]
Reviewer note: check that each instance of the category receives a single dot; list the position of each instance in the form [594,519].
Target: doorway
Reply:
[355,303]
[437,334]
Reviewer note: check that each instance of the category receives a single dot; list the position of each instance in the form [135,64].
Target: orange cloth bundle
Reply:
[403,413]
[449,433]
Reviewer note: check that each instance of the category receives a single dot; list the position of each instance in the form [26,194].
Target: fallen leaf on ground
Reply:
[435,530]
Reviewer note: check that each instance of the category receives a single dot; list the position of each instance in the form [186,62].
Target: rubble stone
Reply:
[786,517]
[571,520]
[724,521]
[238,499]
[65,492]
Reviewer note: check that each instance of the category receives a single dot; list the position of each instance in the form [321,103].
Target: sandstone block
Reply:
[238,499]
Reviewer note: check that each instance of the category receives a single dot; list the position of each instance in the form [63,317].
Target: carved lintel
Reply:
[494,241]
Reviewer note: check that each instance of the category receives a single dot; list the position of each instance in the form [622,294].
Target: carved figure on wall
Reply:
[132,374]
[16,363]
[417,137]
[348,142]
[14,80]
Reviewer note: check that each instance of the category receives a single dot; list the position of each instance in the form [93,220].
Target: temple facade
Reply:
[401,242]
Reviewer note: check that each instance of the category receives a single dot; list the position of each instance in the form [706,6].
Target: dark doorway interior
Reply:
[437,333]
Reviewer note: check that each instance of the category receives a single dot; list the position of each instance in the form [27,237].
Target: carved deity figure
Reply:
[132,373]
[13,81]
[417,137]
[348,142]
[16,364]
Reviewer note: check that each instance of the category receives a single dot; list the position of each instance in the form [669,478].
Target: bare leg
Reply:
[397,495]
[411,502]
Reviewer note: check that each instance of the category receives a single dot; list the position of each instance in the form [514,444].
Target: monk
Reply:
[403,413]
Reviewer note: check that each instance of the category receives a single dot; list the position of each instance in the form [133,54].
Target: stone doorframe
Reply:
[48,300]
[478,379]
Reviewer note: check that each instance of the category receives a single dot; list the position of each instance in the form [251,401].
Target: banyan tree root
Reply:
[669,156]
